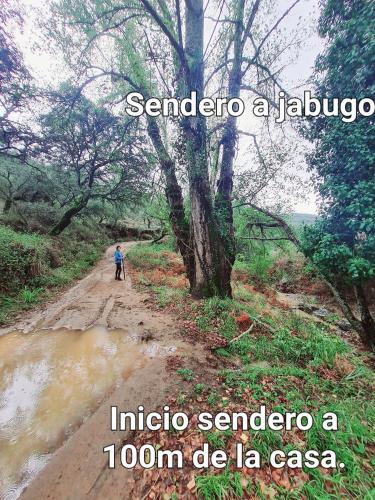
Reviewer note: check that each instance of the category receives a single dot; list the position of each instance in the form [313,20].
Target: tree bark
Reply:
[7,205]
[173,192]
[212,267]
[66,219]
[367,321]
[223,200]
[365,326]
[204,250]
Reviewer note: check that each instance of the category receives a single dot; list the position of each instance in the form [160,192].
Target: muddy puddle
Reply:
[50,382]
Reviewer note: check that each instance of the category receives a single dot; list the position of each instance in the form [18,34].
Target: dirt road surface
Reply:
[78,470]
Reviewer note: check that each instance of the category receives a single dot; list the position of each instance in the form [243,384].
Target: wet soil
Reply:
[63,367]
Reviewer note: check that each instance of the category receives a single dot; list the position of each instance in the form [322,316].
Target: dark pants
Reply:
[118,271]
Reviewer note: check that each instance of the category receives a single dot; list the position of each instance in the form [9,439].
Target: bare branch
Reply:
[250,21]
[179,23]
[214,29]
[276,25]
[260,94]
[175,44]
[284,225]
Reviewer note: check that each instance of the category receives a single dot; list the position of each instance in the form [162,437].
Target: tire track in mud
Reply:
[78,469]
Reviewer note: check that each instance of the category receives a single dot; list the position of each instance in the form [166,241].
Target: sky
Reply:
[48,67]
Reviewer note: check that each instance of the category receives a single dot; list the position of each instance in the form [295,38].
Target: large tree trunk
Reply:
[173,192]
[367,321]
[212,267]
[365,326]
[66,219]
[223,200]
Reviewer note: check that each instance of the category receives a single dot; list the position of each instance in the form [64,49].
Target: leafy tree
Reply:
[342,243]
[93,154]
[22,182]
[171,58]
[15,84]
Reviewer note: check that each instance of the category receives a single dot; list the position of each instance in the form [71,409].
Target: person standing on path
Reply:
[118,261]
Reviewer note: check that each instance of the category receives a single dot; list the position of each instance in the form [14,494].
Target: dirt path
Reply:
[79,468]
[97,299]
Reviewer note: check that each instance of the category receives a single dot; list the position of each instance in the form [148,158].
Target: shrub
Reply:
[36,217]
[23,259]
[32,263]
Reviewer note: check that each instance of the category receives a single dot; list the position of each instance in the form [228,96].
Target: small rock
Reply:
[321,313]
[147,336]
[344,325]
[307,308]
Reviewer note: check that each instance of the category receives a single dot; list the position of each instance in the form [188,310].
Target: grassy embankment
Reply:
[287,362]
[34,266]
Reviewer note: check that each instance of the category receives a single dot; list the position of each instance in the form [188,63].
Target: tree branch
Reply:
[275,26]
[250,21]
[175,44]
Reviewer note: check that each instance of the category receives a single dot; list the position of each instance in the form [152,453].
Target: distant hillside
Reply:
[298,219]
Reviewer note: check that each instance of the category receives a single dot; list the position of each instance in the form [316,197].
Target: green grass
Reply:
[310,345]
[199,388]
[166,295]
[287,367]
[148,255]
[219,311]
[30,296]
[257,268]
[266,441]
[218,487]
[33,265]
[212,398]
[75,265]
[23,259]
[241,294]
[217,439]
[349,398]
[295,339]
[186,374]
[295,349]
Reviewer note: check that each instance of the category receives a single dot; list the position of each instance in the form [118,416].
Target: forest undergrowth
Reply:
[33,267]
[259,352]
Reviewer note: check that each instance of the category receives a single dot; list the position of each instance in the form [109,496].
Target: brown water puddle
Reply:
[50,382]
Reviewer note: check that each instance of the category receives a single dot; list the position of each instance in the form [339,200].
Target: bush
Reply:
[23,259]
[29,217]
[257,267]
[31,264]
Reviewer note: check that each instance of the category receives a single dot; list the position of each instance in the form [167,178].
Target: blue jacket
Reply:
[118,257]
